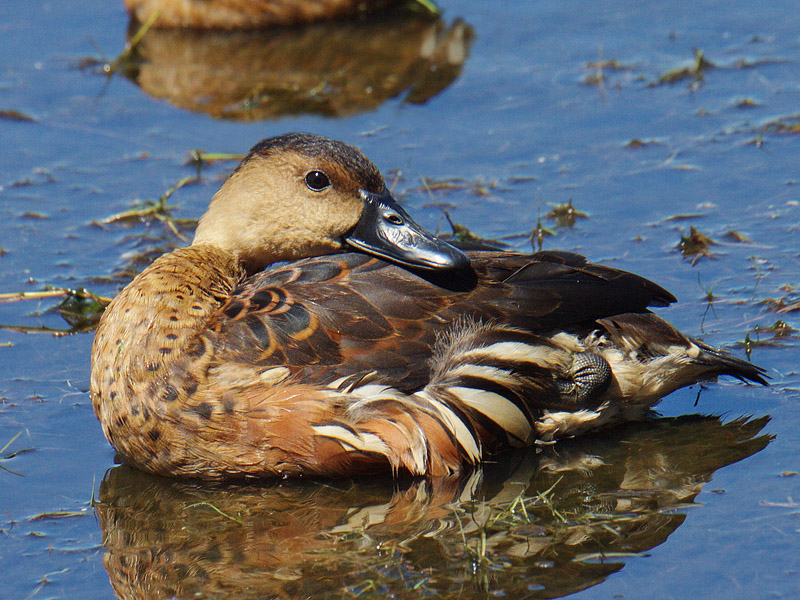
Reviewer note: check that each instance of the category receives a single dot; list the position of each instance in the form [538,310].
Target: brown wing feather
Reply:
[339,315]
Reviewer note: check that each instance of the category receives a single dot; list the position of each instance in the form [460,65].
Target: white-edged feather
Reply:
[500,410]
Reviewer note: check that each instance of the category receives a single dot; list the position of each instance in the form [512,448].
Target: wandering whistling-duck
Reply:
[313,328]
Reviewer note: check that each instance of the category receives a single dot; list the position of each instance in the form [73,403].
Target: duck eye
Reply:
[394,219]
[317,180]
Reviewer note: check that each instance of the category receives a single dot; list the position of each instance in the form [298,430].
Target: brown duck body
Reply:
[347,363]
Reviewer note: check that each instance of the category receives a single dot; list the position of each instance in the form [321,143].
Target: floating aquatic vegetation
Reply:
[565,215]
[125,60]
[15,115]
[777,334]
[599,68]
[696,245]
[199,158]
[150,210]
[79,307]
[682,217]
[746,103]
[784,125]
[695,71]
[737,236]
[54,292]
[60,514]
[642,143]
[788,125]
[778,330]
[82,309]
[10,455]
[38,176]
[478,186]
[784,304]
[462,234]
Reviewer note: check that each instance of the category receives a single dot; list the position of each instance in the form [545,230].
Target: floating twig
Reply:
[157,209]
[53,292]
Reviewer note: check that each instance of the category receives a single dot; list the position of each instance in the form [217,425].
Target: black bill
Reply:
[387,231]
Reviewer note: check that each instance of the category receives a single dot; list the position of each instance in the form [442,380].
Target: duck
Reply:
[313,329]
[244,14]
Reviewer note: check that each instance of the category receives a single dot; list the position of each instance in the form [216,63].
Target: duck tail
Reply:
[494,386]
[647,339]
[720,362]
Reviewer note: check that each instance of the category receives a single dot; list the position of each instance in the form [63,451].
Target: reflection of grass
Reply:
[215,509]
[770,336]
[478,186]
[538,234]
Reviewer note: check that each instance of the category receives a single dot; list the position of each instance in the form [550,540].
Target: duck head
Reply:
[301,195]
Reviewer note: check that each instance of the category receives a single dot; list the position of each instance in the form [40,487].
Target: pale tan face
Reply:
[282,206]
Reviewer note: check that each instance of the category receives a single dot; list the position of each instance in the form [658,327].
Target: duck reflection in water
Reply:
[334,68]
[540,523]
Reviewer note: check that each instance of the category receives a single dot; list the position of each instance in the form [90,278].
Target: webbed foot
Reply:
[588,378]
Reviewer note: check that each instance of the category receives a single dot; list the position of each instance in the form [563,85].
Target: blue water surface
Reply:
[554,102]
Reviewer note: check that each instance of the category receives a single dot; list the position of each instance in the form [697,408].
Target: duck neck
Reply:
[150,325]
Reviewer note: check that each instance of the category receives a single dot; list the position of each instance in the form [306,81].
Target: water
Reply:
[509,117]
